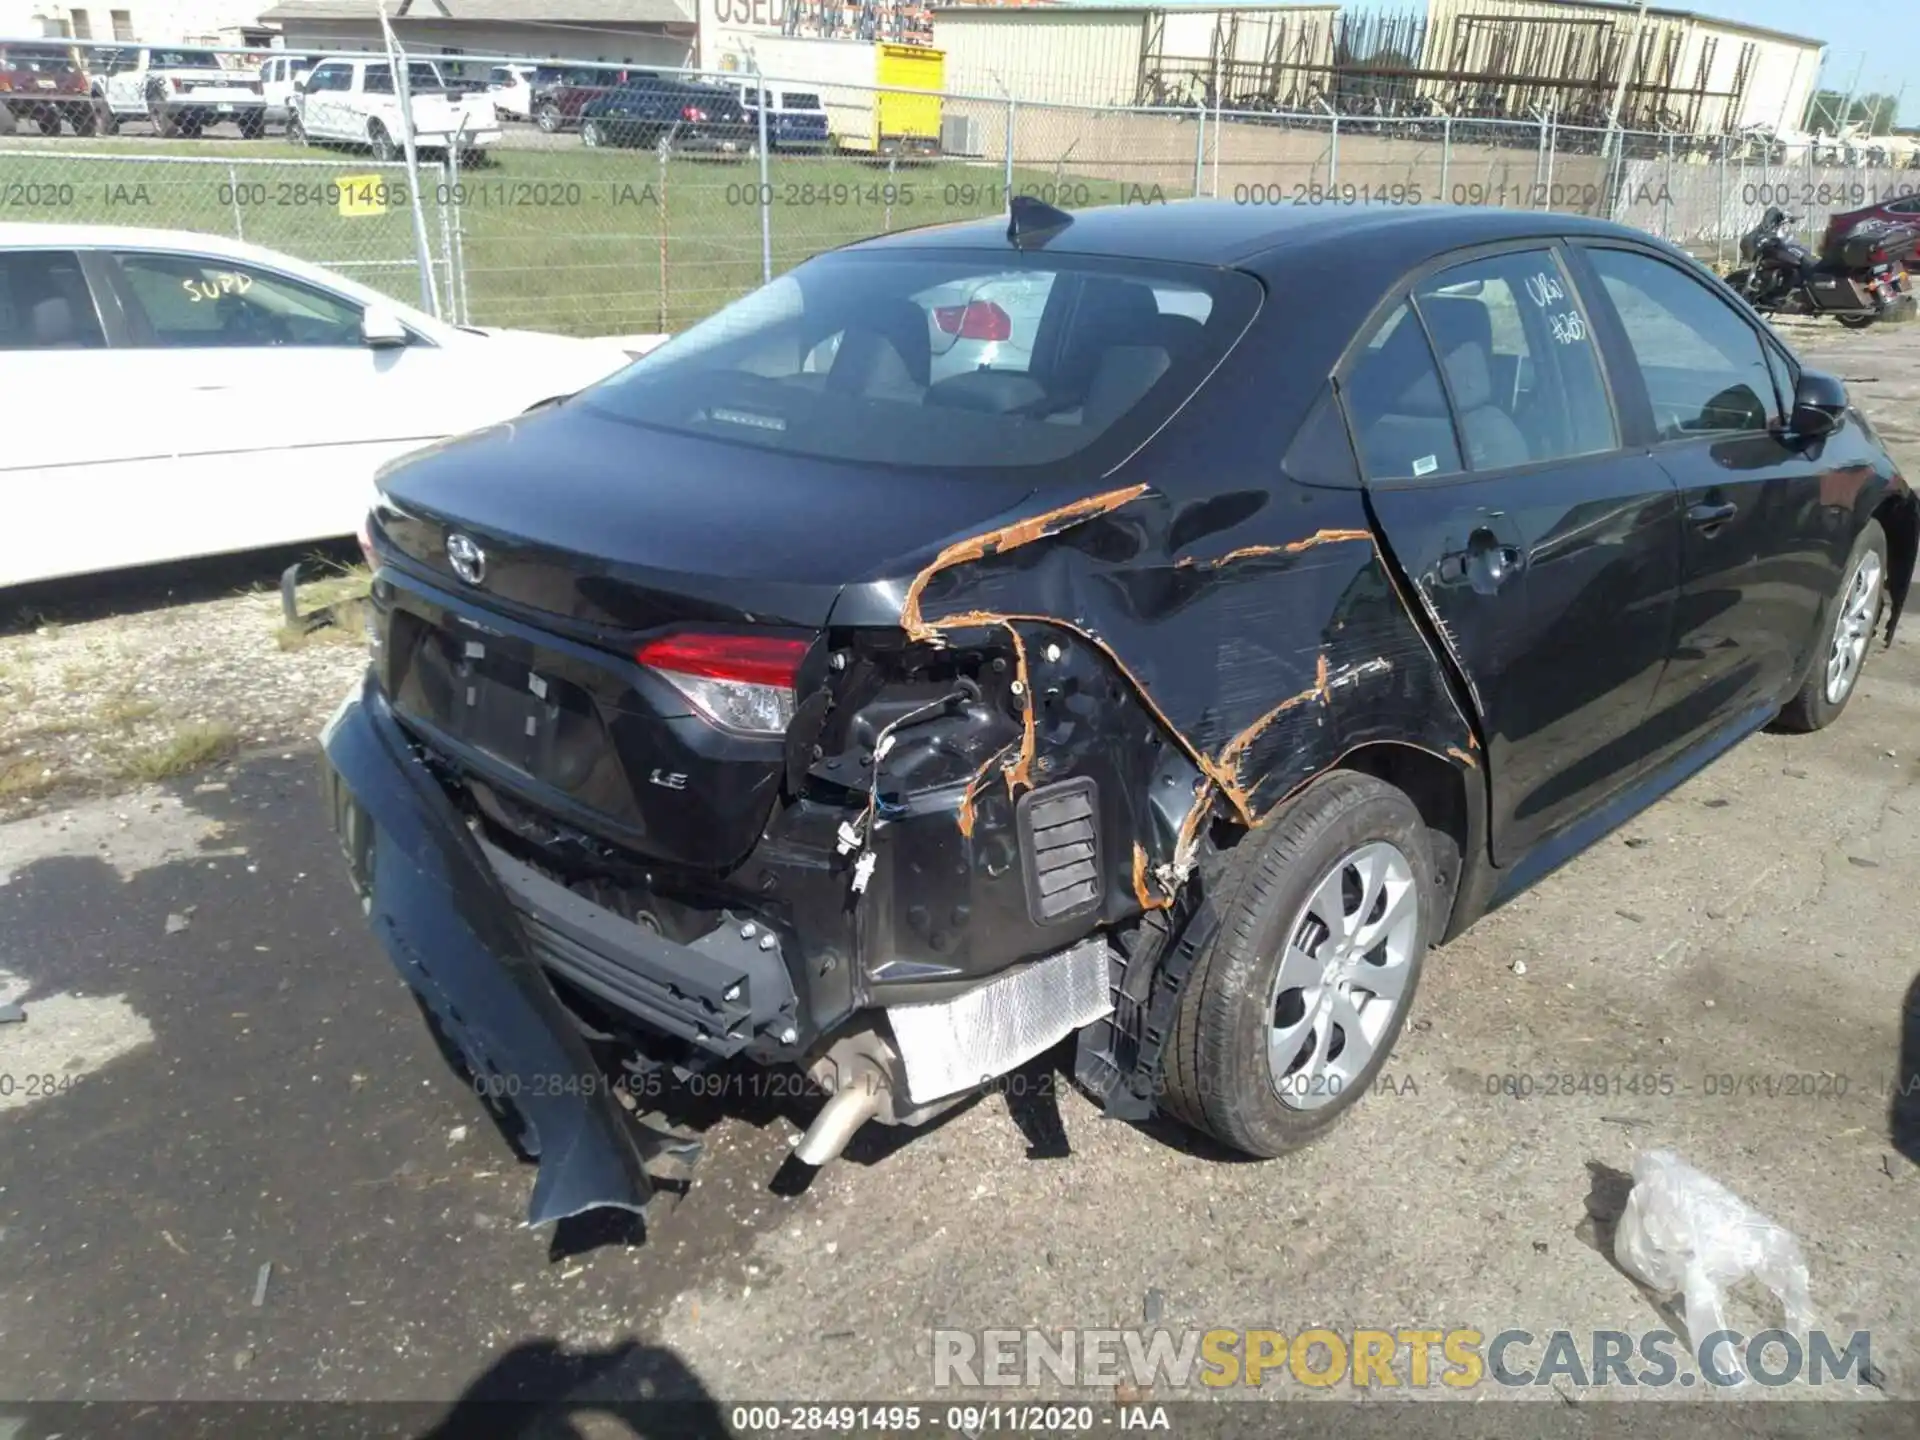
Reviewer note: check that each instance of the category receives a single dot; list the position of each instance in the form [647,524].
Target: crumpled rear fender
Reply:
[432,899]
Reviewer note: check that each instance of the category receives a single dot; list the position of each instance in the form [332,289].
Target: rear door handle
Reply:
[1708,517]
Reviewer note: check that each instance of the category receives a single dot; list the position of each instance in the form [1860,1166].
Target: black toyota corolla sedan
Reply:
[1156,626]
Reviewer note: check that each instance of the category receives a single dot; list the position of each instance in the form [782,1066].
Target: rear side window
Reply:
[1522,369]
[949,361]
[45,303]
[799,100]
[190,302]
[1398,406]
[1703,365]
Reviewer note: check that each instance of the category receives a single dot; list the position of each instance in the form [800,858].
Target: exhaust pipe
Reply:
[834,1126]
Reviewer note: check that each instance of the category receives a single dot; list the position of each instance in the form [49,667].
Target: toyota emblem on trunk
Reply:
[469,561]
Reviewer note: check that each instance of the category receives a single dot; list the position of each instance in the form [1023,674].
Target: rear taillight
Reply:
[175,83]
[694,114]
[743,682]
[365,535]
[976,320]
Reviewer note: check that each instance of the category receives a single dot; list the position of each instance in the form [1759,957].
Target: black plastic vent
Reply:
[1060,846]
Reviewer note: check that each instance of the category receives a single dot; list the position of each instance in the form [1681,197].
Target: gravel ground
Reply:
[151,690]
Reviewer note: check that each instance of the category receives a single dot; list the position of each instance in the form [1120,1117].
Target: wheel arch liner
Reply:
[451,933]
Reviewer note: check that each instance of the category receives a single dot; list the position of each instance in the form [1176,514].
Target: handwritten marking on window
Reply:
[1545,289]
[212,286]
[1569,327]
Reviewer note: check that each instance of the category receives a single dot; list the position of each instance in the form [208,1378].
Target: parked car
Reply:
[352,101]
[41,84]
[180,91]
[1176,691]
[562,93]
[796,120]
[690,119]
[244,398]
[511,87]
[1901,210]
[280,78]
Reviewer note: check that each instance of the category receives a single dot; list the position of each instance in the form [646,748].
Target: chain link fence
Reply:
[586,219]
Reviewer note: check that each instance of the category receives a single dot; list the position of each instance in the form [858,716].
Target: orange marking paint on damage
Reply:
[1147,899]
[998,542]
[1463,757]
[1248,552]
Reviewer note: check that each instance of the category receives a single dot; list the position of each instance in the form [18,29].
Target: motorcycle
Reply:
[1859,280]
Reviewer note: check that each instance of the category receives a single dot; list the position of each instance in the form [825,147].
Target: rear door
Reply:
[278,410]
[1755,564]
[1544,546]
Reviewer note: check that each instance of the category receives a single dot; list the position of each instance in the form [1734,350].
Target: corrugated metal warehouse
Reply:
[1486,58]
[1689,72]
[1124,55]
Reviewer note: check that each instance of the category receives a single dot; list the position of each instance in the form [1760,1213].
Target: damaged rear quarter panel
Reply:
[1252,618]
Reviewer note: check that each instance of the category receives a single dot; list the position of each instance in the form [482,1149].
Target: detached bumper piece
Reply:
[716,993]
[451,930]
[1118,1058]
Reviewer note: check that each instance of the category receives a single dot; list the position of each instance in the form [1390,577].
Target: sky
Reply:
[1861,35]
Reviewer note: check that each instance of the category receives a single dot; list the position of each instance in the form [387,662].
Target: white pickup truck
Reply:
[346,101]
[180,91]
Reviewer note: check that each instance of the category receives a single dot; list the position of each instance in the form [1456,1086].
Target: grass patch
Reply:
[345,593]
[25,779]
[189,748]
[575,240]
[121,711]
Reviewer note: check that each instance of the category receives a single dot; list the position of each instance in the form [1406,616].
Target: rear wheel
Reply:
[380,142]
[1292,1009]
[108,123]
[593,135]
[48,119]
[1851,619]
[165,124]
[547,116]
[252,127]
[84,119]
[1857,322]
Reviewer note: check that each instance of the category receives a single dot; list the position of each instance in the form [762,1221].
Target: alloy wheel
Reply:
[1853,627]
[1344,975]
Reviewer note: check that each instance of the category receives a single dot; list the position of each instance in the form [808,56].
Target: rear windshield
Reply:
[22,57]
[799,100]
[419,77]
[183,60]
[944,359]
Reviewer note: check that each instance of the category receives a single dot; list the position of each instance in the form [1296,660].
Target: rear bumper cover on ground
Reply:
[452,932]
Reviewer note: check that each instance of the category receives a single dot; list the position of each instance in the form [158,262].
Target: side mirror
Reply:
[381,329]
[1819,404]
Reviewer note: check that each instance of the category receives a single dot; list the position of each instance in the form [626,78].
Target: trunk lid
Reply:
[594,535]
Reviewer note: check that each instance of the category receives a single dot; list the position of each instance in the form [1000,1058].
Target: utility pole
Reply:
[1627,64]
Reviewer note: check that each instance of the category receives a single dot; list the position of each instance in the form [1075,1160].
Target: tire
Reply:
[1278,925]
[84,119]
[593,135]
[165,124]
[252,127]
[191,126]
[1852,616]
[8,124]
[296,131]
[380,142]
[48,120]
[547,117]
[1856,322]
[107,122]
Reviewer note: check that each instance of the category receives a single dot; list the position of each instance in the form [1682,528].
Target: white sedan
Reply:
[171,395]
